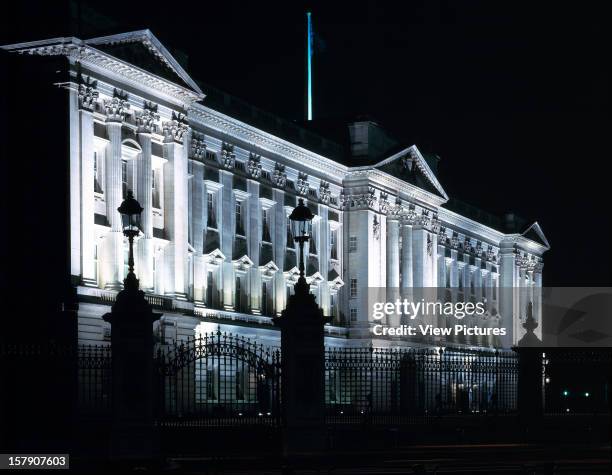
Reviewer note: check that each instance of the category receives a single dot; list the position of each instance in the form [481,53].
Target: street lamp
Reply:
[130,211]
[301,227]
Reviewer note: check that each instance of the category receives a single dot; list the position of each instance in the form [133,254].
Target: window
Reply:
[239,219]
[97,173]
[290,242]
[155,189]
[238,295]
[333,307]
[333,242]
[211,211]
[353,244]
[124,178]
[265,225]
[353,313]
[312,249]
[264,299]
[353,288]
[494,289]
[209,289]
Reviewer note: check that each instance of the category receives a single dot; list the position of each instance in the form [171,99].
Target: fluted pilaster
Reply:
[113,245]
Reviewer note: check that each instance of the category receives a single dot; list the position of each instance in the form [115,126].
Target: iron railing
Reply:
[418,382]
[220,378]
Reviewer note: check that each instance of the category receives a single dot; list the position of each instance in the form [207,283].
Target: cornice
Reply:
[301,158]
[393,184]
[470,226]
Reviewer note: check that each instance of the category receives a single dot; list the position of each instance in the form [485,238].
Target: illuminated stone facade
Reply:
[216,248]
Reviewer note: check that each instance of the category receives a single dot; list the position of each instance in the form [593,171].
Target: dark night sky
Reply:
[513,96]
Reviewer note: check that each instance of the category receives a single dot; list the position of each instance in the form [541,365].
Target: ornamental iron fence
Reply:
[225,379]
[219,379]
[418,382]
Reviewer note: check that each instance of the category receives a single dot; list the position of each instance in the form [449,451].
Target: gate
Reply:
[219,379]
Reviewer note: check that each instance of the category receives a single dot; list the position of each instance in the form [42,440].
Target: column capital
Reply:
[147,119]
[87,94]
[324,192]
[198,146]
[117,107]
[228,158]
[279,178]
[175,129]
[254,165]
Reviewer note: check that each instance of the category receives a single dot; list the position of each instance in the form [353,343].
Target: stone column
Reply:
[253,230]
[508,281]
[175,206]
[407,279]
[226,235]
[537,298]
[324,257]
[116,108]
[392,252]
[280,240]
[393,263]
[144,189]
[75,185]
[421,273]
[198,224]
[87,97]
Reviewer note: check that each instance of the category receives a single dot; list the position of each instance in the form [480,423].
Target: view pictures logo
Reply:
[423,308]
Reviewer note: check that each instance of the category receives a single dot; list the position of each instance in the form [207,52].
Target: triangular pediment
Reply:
[142,49]
[243,262]
[410,166]
[315,278]
[534,233]
[292,275]
[270,267]
[215,256]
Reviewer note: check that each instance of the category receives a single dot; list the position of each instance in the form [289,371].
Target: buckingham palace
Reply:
[217,180]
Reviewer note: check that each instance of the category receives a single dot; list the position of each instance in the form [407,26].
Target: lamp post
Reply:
[301,227]
[131,320]
[130,211]
[303,350]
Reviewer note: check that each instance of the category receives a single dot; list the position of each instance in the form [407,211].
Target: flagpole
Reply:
[309,63]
